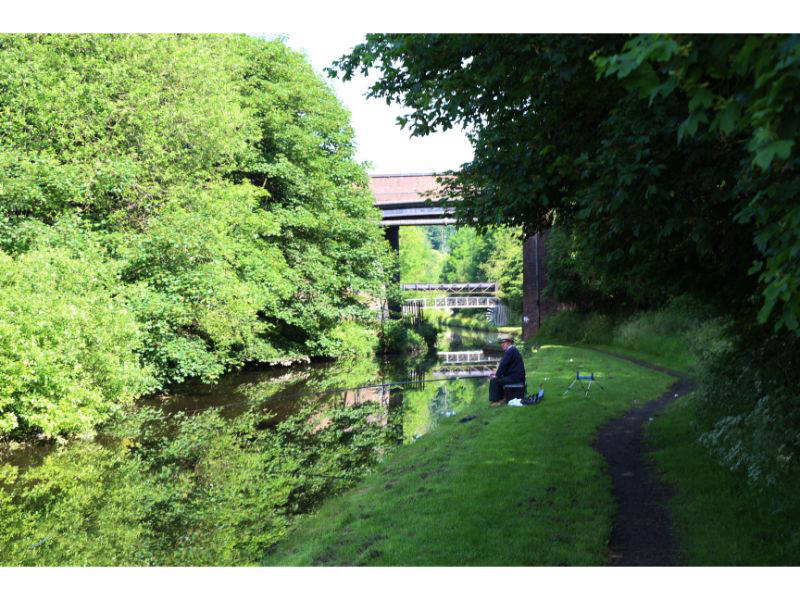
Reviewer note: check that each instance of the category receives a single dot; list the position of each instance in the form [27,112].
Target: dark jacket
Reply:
[511,367]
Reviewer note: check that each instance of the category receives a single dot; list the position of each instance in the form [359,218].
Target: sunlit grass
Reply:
[514,486]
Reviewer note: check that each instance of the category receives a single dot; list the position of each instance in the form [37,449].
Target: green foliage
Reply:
[354,341]
[514,486]
[201,273]
[748,409]
[182,490]
[668,164]
[745,406]
[419,262]
[215,177]
[720,517]
[107,123]
[494,255]
[679,174]
[68,347]
[467,256]
[744,89]
[399,337]
[677,335]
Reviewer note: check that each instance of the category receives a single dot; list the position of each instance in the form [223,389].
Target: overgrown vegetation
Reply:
[171,207]
[720,517]
[678,177]
[741,416]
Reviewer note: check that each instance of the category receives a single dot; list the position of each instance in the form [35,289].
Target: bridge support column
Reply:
[534,280]
[392,234]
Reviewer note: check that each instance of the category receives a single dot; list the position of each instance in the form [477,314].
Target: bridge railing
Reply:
[470,287]
[451,302]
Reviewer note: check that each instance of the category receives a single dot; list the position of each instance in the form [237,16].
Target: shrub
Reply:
[399,337]
[351,340]
[748,406]
[68,343]
[566,326]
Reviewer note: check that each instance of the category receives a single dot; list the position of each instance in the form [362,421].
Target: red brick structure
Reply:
[534,279]
[400,189]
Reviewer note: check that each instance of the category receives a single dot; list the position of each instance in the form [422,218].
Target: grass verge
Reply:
[513,486]
[720,518]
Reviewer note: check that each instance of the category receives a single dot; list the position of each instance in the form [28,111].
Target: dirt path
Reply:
[642,532]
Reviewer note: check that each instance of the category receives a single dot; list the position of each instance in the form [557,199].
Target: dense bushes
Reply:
[748,407]
[67,343]
[213,178]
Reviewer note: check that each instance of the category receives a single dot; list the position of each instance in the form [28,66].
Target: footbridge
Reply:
[460,295]
[454,302]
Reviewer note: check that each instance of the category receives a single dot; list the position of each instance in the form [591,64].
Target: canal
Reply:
[216,474]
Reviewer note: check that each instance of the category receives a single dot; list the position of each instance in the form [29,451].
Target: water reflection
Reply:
[410,396]
[213,474]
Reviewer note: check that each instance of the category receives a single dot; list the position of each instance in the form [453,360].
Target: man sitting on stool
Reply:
[510,370]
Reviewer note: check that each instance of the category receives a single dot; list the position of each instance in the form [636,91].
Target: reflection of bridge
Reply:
[461,371]
[467,356]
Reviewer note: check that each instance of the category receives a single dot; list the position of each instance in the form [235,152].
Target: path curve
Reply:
[642,532]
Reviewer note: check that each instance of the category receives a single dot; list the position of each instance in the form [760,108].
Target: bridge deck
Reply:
[453,287]
[412,199]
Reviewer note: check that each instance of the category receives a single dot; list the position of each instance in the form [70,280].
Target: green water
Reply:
[216,474]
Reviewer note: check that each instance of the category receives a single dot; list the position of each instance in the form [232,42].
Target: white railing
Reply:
[452,302]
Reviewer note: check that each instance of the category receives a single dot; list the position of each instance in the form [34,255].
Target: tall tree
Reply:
[596,131]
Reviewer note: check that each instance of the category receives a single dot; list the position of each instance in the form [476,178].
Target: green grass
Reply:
[669,337]
[719,518]
[514,486]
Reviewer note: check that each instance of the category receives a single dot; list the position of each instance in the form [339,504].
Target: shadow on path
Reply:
[642,532]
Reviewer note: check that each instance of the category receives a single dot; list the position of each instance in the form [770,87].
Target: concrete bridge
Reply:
[411,199]
[416,199]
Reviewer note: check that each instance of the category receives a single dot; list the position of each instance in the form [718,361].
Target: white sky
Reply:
[379,139]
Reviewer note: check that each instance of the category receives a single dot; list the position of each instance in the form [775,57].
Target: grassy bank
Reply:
[720,518]
[513,486]
[673,337]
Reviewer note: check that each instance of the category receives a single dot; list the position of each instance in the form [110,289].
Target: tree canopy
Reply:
[672,159]
[171,206]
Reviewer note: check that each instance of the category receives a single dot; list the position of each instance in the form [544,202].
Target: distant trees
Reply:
[171,206]
[419,262]
[494,255]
